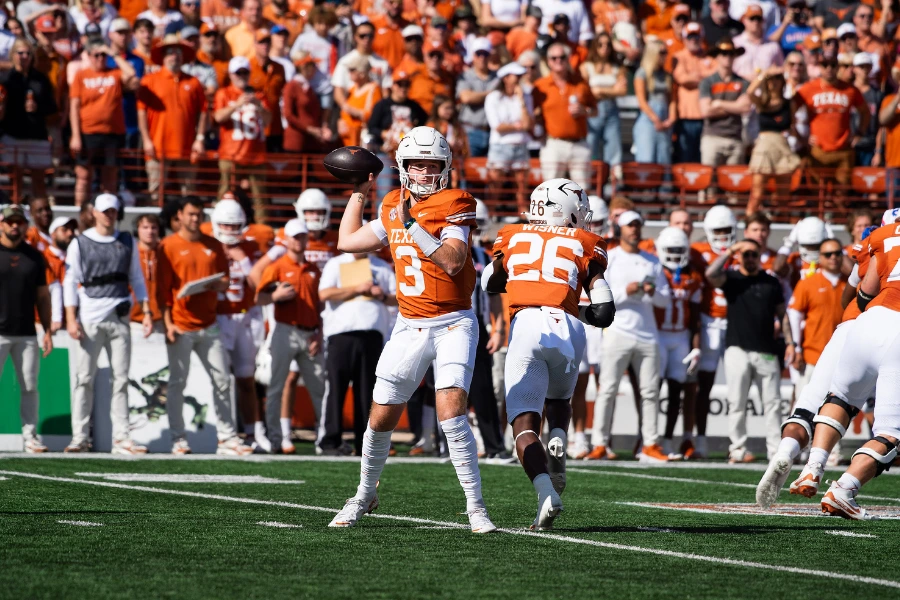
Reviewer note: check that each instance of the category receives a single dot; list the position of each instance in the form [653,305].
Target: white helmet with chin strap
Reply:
[424,143]
[314,199]
[811,231]
[720,217]
[673,248]
[228,212]
[561,203]
[599,214]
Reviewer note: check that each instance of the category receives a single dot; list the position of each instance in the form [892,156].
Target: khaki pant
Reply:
[619,351]
[742,369]
[291,343]
[840,160]
[561,156]
[716,150]
[26,360]
[184,174]
[114,335]
[211,352]
[254,173]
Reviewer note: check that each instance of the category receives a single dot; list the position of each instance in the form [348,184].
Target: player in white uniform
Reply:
[427,226]
[543,266]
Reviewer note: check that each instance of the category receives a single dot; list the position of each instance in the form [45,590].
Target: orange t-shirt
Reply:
[242,138]
[892,140]
[657,21]
[518,40]
[221,13]
[424,290]
[130,9]
[426,87]
[173,105]
[820,301]
[388,42]
[554,103]
[828,106]
[363,99]
[302,311]
[410,66]
[100,93]
[713,303]
[240,296]
[686,291]
[149,266]
[270,80]
[884,245]
[576,255]
[293,19]
[180,262]
[606,14]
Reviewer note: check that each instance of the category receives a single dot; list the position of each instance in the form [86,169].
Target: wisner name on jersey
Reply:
[556,229]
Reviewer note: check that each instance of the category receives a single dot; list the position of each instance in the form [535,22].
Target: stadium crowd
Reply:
[718,83]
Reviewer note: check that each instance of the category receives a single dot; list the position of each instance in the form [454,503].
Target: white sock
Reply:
[542,485]
[464,456]
[286,428]
[259,436]
[789,446]
[580,438]
[259,429]
[848,481]
[375,449]
[817,455]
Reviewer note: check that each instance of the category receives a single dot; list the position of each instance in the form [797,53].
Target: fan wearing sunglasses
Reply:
[755,300]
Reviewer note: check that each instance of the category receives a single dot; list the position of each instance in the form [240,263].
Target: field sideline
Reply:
[206,527]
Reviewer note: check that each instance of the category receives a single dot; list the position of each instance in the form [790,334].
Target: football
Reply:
[353,164]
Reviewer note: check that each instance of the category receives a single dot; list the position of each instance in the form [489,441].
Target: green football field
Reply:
[256,528]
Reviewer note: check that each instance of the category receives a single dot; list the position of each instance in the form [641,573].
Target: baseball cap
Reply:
[754,10]
[829,33]
[412,31]
[438,21]
[512,68]
[481,44]
[279,30]
[434,46]
[692,28]
[861,59]
[628,217]
[357,63]
[401,76]
[62,222]
[463,12]
[262,35]
[189,31]
[306,59]
[93,30]
[812,42]
[120,24]
[208,28]
[237,63]
[46,24]
[13,211]
[295,227]
[846,29]
[535,11]
[560,18]
[104,202]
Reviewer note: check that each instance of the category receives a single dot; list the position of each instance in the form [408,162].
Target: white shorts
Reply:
[712,342]
[242,335]
[594,346]
[411,350]
[871,357]
[673,347]
[545,345]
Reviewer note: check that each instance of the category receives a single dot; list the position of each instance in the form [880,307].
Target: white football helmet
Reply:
[228,212]
[673,248]
[424,143]
[482,214]
[890,216]
[811,232]
[720,217]
[559,202]
[599,214]
[314,199]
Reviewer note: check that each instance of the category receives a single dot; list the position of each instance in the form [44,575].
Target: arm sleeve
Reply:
[136,275]
[795,317]
[491,110]
[56,302]
[276,252]
[455,232]
[73,275]
[663,292]
[854,279]
[379,230]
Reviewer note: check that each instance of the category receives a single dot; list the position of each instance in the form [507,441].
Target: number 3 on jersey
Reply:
[413,270]
[551,260]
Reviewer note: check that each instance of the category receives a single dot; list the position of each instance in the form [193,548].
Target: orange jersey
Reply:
[424,290]
[686,291]
[884,245]
[547,265]
[713,303]
[303,310]
[859,253]
[242,138]
[37,240]
[182,261]
[149,265]
[820,302]
[100,93]
[240,296]
[829,107]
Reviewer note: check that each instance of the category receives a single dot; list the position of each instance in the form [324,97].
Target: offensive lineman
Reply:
[427,226]
[543,266]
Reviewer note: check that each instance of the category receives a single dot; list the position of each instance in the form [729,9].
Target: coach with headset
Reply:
[102,268]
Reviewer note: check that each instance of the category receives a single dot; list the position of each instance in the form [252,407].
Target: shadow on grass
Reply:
[71,512]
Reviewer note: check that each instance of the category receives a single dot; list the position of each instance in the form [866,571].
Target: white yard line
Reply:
[187,478]
[81,523]
[519,532]
[850,533]
[279,525]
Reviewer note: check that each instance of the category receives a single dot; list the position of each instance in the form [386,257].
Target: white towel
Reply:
[555,334]
[412,354]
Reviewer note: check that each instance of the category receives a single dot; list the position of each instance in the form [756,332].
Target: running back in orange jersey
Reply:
[424,290]
[686,291]
[547,265]
[884,246]
[713,303]
[240,296]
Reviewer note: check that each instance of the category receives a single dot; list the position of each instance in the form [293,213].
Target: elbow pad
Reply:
[863,299]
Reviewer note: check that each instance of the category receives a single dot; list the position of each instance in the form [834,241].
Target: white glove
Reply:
[692,360]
